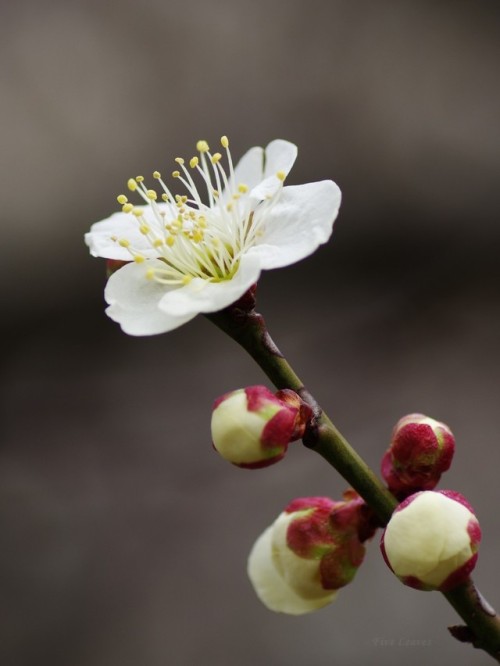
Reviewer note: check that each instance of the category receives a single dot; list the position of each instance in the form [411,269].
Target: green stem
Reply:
[248,328]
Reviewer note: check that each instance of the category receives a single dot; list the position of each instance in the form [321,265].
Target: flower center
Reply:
[195,236]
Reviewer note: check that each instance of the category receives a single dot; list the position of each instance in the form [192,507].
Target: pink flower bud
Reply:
[421,450]
[311,550]
[252,427]
[432,539]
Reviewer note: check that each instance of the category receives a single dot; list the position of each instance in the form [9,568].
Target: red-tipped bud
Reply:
[420,451]
[311,550]
[432,539]
[252,427]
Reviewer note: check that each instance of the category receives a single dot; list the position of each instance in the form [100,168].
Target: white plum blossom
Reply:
[199,251]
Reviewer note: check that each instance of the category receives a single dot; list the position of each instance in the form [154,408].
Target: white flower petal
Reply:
[204,296]
[118,226]
[280,156]
[271,588]
[250,169]
[133,301]
[298,223]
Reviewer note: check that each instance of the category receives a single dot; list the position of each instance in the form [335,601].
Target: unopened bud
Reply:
[421,450]
[252,427]
[432,539]
[310,551]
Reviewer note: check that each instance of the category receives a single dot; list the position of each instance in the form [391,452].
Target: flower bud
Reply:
[421,450]
[252,427]
[432,539]
[311,550]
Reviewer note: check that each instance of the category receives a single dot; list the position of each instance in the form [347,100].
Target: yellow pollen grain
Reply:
[193,162]
[281,175]
[156,174]
[139,259]
[124,242]
[127,208]
[242,188]
[224,141]
[216,157]
[131,184]
[151,194]
[122,199]
[202,146]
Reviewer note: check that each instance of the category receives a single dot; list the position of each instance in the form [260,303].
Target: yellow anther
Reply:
[124,242]
[158,242]
[216,193]
[164,196]
[187,279]
[156,174]
[139,179]
[139,259]
[170,241]
[197,235]
[202,146]
[151,194]
[176,174]
[179,160]
[216,158]
[202,222]
[242,188]
[184,198]
[122,199]
[131,184]
[236,196]
[224,141]
[281,175]
[193,162]
[150,273]
[229,207]
[137,212]
[144,229]
[127,208]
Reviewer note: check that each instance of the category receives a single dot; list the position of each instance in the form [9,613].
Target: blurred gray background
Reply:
[124,537]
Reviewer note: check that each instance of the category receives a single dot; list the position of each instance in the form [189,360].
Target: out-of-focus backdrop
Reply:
[124,537]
